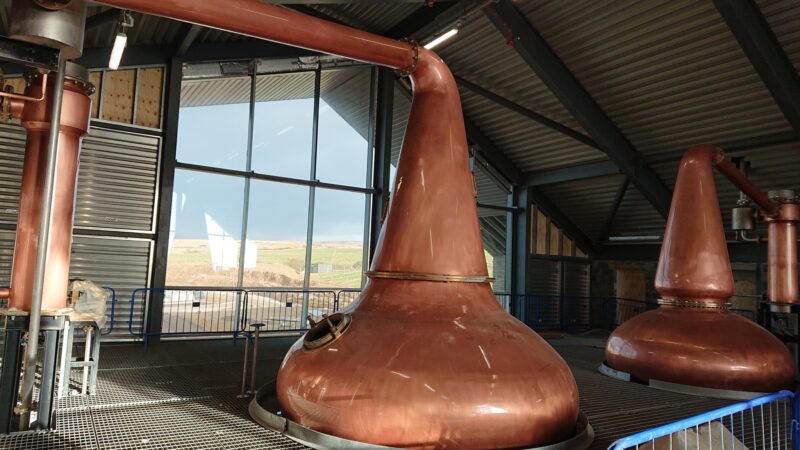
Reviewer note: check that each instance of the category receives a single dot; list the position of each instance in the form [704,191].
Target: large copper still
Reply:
[426,357]
[33,109]
[692,339]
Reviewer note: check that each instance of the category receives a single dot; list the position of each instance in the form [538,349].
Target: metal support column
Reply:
[311,196]
[383,152]
[45,418]
[520,249]
[9,380]
[165,189]
[48,198]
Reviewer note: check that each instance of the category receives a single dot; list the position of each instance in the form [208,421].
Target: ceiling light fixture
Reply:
[443,37]
[120,40]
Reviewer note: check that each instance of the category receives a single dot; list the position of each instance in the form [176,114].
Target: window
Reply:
[205,230]
[342,150]
[338,244]
[283,124]
[213,122]
[277,229]
[280,190]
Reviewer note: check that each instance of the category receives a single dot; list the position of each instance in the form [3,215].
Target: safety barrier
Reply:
[767,422]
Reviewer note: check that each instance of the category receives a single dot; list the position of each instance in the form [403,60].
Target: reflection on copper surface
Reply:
[696,341]
[35,116]
[423,363]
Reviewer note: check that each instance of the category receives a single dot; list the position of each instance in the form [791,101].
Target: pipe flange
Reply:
[782,196]
[406,71]
[705,304]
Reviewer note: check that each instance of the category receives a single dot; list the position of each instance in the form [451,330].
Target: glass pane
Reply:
[338,245]
[213,122]
[205,229]
[493,232]
[276,235]
[344,110]
[283,124]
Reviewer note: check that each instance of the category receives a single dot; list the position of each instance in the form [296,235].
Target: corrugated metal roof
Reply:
[669,74]
[586,203]
[375,17]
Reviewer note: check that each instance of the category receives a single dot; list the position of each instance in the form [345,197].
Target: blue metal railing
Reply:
[740,425]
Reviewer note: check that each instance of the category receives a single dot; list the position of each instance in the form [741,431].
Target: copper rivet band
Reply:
[694,304]
[431,277]
[408,70]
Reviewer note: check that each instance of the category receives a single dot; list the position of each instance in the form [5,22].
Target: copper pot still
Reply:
[692,339]
[426,357]
[33,109]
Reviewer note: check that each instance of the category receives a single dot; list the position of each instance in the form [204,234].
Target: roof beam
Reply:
[618,197]
[571,173]
[421,17]
[517,108]
[551,70]
[765,53]
[189,32]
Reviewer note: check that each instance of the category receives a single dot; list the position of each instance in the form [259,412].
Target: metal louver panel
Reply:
[120,263]
[12,154]
[117,181]
[6,255]
[542,303]
[576,293]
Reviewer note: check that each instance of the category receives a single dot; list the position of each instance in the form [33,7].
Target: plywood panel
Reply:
[541,233]
[96,78]
[118,96]
[17,83]
[631,284]
[566,246]
[148,101]
[555,238]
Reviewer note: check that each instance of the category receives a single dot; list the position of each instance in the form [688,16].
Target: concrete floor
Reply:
[182,394]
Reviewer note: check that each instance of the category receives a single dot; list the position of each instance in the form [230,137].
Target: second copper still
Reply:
[692,339]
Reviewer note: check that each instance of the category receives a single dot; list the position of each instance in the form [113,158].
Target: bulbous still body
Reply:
[455,371]
[710,348]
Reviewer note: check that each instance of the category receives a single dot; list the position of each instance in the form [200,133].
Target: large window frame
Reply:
[248,175]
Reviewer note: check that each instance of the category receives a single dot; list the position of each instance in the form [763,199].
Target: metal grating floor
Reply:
[182,395]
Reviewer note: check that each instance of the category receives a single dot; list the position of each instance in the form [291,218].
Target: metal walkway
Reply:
[182,395]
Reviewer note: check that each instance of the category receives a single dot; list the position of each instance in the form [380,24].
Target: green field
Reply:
[278,264]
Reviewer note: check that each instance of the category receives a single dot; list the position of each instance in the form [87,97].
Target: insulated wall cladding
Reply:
[114,210]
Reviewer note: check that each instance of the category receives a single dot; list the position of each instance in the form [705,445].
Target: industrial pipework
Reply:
[692,342]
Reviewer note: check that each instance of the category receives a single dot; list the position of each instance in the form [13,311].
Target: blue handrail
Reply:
[665,430]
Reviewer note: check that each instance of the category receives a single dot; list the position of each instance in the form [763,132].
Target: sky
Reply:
[282,138]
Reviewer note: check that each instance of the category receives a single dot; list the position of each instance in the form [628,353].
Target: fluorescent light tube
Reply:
[452,32]
[116,52]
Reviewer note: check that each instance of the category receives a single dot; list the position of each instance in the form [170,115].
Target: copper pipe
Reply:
[782,283]
[75,112]
[257,19]
[4,292]
[743,183]
[26,98]
[694,340]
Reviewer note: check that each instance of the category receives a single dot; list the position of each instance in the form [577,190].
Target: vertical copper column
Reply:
[782,251]
[75,115]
